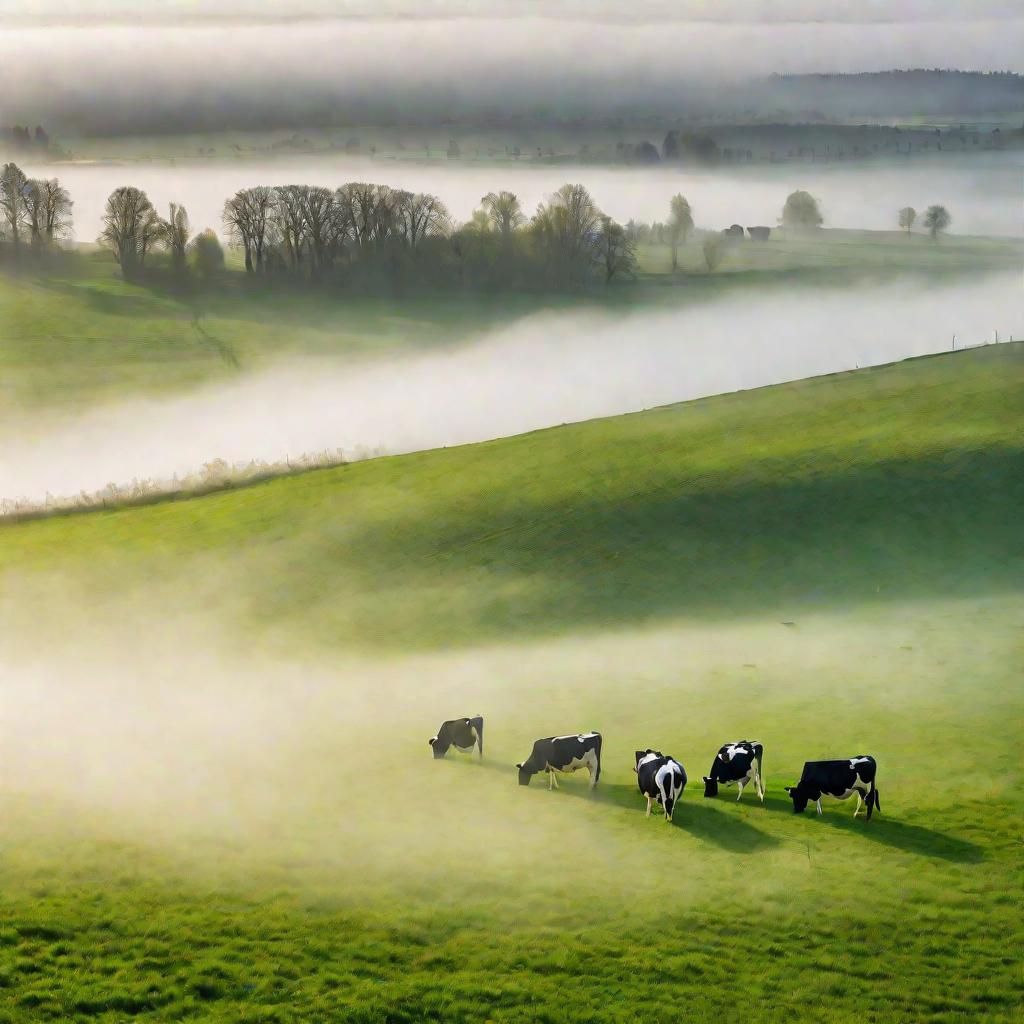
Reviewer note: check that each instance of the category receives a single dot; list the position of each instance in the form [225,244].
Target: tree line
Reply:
[364,235]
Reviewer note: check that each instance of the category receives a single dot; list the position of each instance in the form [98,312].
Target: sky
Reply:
[99,66]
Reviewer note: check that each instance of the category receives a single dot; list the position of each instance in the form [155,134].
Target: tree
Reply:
[714,251]
[907,217]
[616,251]
[320,220]
[565,229]
[246,215]
[129,226]
[421,215]
[802,211]
[504,212]
[175,236]
[13,188]
[680,224]
[206,255]
[290,224]
[936,220]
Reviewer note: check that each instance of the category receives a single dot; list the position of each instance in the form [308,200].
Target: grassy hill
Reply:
[219,803]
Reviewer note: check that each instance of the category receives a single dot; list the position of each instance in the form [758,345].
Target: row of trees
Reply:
[936,219]
[369,230]
[33,211]
[132,229]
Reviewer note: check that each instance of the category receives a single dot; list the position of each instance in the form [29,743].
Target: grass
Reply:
[81,335]
[251,828]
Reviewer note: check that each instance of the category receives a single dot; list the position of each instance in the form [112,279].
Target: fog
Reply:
[545,369]
[161,730]
[983,192]
[128,76]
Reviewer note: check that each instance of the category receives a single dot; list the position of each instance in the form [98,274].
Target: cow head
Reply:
[710,787]
[525,774]
[439,752]
[799,798]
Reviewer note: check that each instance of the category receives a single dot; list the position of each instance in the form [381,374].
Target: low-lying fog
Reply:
[981,191]
[543,370]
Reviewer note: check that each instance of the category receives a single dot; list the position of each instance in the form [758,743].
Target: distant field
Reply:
[83,334]
[219,803]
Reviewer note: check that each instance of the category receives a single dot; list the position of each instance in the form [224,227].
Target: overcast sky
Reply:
[78,58]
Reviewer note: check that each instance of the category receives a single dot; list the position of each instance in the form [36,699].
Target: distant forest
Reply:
[324,105]
[899,93]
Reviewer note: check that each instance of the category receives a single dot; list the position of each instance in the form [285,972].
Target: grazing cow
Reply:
[461,733]
[734,231]
[838,779]
[563,754]
[759,234]
[660,778]
[736,762]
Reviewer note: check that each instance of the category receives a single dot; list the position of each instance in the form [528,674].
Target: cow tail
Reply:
[873,803]
[479,723]
[759,754]
[597,776]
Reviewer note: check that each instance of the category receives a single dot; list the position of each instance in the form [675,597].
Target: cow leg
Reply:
[648,814]
[859,802]
[740,794]
[760,787]
[818,801]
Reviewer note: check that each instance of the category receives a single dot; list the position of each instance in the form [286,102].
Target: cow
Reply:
[759,234]
[461,733]
[734,232]
[838,779]
[738,762]
[660,778]
[563,754]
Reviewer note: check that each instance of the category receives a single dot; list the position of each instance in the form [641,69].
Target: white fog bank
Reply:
[544,370]
[982,191]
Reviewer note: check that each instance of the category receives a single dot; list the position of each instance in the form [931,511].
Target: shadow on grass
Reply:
[696,819]
[900,835]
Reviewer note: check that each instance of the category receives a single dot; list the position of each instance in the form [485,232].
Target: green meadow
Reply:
[78,334]
[218,799]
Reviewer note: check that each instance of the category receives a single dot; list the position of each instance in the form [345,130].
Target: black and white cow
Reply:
[563,754]
[660,778]
[738,763]
[461,733]
[837,779]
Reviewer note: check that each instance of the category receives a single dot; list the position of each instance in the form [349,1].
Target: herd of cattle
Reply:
[663,779]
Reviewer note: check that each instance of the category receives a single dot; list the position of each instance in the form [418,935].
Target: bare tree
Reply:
[247,214]
[566,230]
[616,249]
[680,224]
[175,237]
[907,217]
[290,222]
[129,226]
[319,216]
[152,231]
[13,188]
[420,215]
[504,212]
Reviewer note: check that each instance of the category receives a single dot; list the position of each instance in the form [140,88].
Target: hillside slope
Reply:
[879,485]
[219,803]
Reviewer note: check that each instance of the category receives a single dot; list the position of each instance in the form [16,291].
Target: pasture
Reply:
[79,334]
[219,802]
